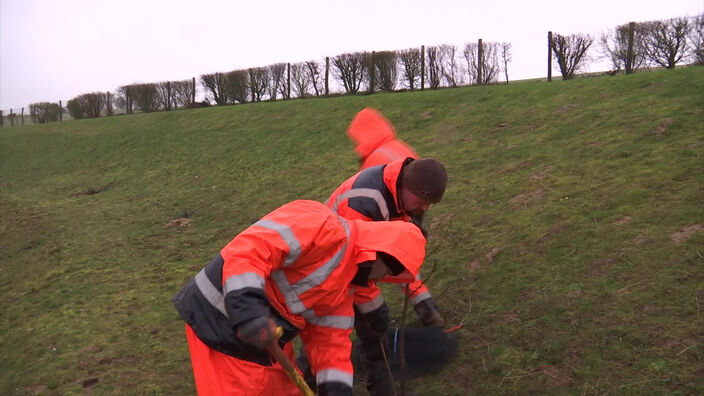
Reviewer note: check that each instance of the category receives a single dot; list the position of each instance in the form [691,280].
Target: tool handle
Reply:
[280,357]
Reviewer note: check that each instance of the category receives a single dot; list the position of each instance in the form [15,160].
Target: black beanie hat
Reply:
[426,178]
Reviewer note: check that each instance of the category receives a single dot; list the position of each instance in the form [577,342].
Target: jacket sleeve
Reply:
[249,259]
[326,339]
[417,291]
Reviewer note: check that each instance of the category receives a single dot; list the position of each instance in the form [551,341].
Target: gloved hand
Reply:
[378,320]
[258,332]
[428,314]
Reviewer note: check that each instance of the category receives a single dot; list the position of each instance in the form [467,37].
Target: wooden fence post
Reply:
[629,56]
[168,95]
[61,111]
[372,72]
[549,56]
[193,97]
[22,116]
[422,67]
[479,62]
[288,81]
[327,73]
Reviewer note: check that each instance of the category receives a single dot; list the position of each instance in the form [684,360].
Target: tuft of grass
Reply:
[570,237]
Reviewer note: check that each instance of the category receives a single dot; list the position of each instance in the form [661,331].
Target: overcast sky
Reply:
[56,50]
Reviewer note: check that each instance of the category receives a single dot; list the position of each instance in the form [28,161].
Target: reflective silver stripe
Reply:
[336,322]
[364,192]
[390,155]
[293,292]
[334,375]
[241,281]
[420,297]
[211,293]
[294,247]
[371,305]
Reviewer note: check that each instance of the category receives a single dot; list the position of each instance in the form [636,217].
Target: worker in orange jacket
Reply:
[295,269]
[393,184]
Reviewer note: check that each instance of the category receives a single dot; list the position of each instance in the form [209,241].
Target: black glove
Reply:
[428,314]
[378,320]
[259,332]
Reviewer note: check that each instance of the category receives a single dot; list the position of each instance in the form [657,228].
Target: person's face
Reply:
[379,270]
[412,204]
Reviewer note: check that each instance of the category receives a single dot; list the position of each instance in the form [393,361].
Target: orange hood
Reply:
[400,239]
[369,130]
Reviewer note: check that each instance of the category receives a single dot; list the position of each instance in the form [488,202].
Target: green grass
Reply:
[555,238]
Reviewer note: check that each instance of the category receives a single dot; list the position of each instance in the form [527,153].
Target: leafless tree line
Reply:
[628,47]
[634,46]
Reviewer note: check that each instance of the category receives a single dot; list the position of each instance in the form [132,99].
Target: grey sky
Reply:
[56,50]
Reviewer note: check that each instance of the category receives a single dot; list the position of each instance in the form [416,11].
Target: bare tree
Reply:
[145,97]
[449,67]
[485,70]
[350,70]
[277,84]
[300,79]
[44,112]
[410,60]
[570,52]
[182,93]
[125,99]
[666,41]
[696,39]
[215,85]
[258,83]
[238,86]
[164,95]
[434,67]
[86,105]
[316,78]
[506,58]
[615,47]
[386,70]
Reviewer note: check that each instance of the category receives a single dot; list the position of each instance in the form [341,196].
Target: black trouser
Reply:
[371,356]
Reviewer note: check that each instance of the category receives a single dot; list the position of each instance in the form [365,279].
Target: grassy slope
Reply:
[556,234]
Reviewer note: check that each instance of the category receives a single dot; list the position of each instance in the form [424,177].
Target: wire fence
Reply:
[238,86]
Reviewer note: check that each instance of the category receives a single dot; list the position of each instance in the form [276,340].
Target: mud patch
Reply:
[685,233]
[565,108]
[179,222]
[89,382]
[661,129]
[483,261]
[522,200]
[623,220]
[600,267]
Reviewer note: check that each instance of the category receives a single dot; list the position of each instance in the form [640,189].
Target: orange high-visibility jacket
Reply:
[299,260]
[375,139]
[372,195]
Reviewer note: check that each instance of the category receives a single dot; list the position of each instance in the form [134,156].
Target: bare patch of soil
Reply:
[662,127]
[426,115]
[623,220]
[565,108]
[483,261]
[684,234]
[599,267]
[522,200]
[179,222]
[541,174]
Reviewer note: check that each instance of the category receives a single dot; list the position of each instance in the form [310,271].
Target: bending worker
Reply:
[392,185]
[292,269]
